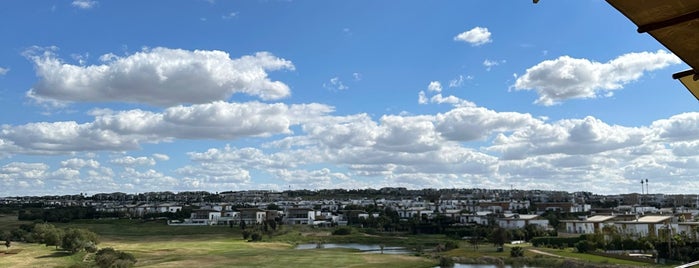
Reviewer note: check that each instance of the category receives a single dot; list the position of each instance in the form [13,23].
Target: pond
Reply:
[369,248]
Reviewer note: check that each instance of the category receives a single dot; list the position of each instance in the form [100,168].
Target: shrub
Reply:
[555,242]
[446,262]
[246,234]
[517,252]
[585,246]
[108,257]
[256,237]
[449,245]
[342,231]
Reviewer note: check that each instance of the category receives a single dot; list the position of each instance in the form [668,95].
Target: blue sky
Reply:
[134,96]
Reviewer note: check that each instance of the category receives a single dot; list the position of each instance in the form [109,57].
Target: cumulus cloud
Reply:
[158,76]
[78,163]
[161,157]
[130,161]
[127,130]
[84,4]
[476,36]
[474,123]
[571,137]
[681,127]
[434,86]
[571,78]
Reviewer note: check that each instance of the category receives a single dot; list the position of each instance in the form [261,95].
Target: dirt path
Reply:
[545,253]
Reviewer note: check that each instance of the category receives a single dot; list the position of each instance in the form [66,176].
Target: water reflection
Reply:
[369,248]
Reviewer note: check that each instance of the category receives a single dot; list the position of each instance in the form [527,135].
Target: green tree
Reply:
[498,236]
[273,206]
[48,234]
[75,240]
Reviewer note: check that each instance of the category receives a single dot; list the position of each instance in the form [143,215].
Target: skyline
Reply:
[122,96]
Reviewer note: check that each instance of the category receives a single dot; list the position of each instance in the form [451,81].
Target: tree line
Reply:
[71,240]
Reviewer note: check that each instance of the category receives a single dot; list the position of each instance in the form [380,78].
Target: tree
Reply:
[242,224]
[498,236]
[8,243]
[272,224]
[48,234]
[474,240]
[75,240]
[273,206]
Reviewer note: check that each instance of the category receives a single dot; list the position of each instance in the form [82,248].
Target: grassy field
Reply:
[157,245]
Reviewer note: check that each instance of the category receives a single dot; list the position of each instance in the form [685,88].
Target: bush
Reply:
[446,262]
[449,245]
[246,234]
[342,231]
[108,257]
[555,242]
[585,246]
[256,237]
[517,252]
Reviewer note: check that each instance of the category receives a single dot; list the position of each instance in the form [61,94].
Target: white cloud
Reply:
[422,98]
[476,36]
[681,127]
[476,123]
[127,130]
[158,76]
[434,86]
[459,81]
[489,64]
[4,71]
[78,163]
[84,4]
[570,78]
[149,180]
[161,157]
[335,84]
[130,161]
[571,137]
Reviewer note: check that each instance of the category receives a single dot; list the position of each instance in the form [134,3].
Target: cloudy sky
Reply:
[137,96]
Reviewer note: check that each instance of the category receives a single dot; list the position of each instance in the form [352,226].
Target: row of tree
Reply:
[682,247]
[72,240]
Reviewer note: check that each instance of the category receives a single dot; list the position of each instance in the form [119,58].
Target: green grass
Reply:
[215,252]
[569,253]
[156,244]
[35,255]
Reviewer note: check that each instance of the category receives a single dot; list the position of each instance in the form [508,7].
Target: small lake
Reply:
[369,248]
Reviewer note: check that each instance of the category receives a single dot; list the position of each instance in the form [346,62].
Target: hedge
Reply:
[554,241]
